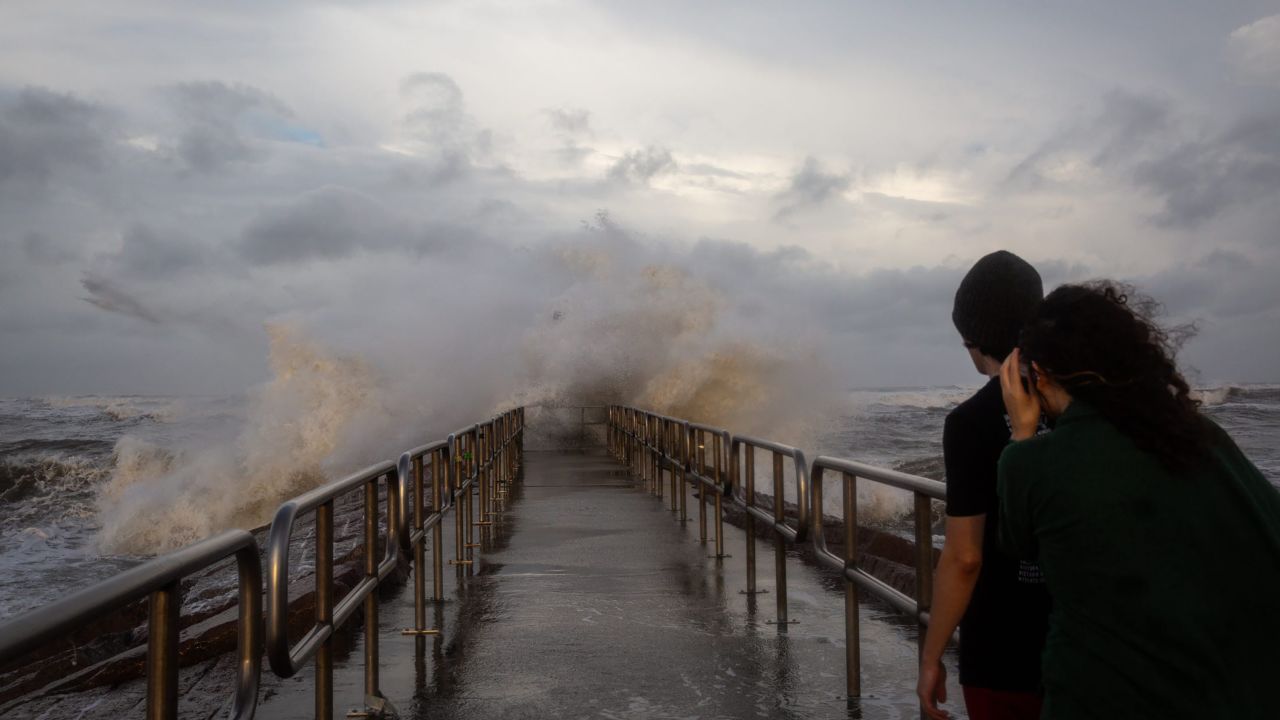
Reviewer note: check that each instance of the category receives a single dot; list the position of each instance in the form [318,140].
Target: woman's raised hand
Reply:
[1021,402]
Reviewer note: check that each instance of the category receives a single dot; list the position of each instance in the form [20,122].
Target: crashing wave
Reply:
[299,423]
[119,409]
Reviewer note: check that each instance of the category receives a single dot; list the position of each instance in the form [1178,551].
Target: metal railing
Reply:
[923,491]
[483,459]
[423,517]
[317,642]
[159,580]
[776,517]
[719,482]
[628,438]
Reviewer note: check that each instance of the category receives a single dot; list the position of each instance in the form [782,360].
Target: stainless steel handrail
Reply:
[462,449]
[720,482]
[626,436]
[316,642]
[782,532]
[160,577]
[412,468]
[855,577]
[678,447]
[500,464]
[160,580]
[800,530]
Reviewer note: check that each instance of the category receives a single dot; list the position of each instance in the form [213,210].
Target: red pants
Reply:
[985,704]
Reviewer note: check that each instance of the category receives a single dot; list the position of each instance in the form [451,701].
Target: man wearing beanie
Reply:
[1000,603]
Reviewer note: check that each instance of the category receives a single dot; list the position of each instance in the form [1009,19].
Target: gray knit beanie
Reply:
[994,300]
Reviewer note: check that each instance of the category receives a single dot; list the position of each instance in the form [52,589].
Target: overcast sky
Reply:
[386,178]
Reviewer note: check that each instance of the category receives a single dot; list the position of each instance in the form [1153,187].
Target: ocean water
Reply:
[901,428]
[68,466]
[58,456]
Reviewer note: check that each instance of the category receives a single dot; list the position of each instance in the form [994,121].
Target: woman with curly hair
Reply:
[1158,539]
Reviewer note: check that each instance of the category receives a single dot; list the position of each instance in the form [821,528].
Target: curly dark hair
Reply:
[1100,342]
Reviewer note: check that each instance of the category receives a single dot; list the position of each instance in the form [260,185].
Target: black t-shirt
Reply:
[1002,633]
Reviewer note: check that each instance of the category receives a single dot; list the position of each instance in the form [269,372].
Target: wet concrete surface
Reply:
[590,599]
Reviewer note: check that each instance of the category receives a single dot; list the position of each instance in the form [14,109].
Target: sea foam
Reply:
[160,498]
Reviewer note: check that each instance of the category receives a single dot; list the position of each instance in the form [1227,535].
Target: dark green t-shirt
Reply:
[1166,587]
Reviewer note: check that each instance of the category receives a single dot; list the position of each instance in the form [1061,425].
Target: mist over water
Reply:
[297,428]
[610,319]
[592,318]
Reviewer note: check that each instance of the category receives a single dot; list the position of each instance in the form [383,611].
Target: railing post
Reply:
[482,479]
[371,600]
[664,465]
[642,452]
[655,459]
[477,487]
[651,456]
[852,628]
[457,451]
[469,503]
[162,653]
[491,467]
[779,543]
[684,472]
[717,448]
[439,460]
[673,445]
[419,551]
[648,453]
[499,450]
[482,476]
[324,610]
[924,566]
[749,497]
[700,442]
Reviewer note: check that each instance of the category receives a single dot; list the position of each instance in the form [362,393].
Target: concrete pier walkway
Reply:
[590,599]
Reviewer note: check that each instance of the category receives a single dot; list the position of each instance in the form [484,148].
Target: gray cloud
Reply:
[573,122]
[329,223]
[449,139]
[1254,50]
[573,154]
[571,125]
[42,131]
[1200,179]
[212,115]
[1125,125]
[710,170]
[1196,173]
[437,114]
[1222,286]
[146,254]
[105,294]
[810,186]
[436,216]
[437,102]
[641,166]
[42,249]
